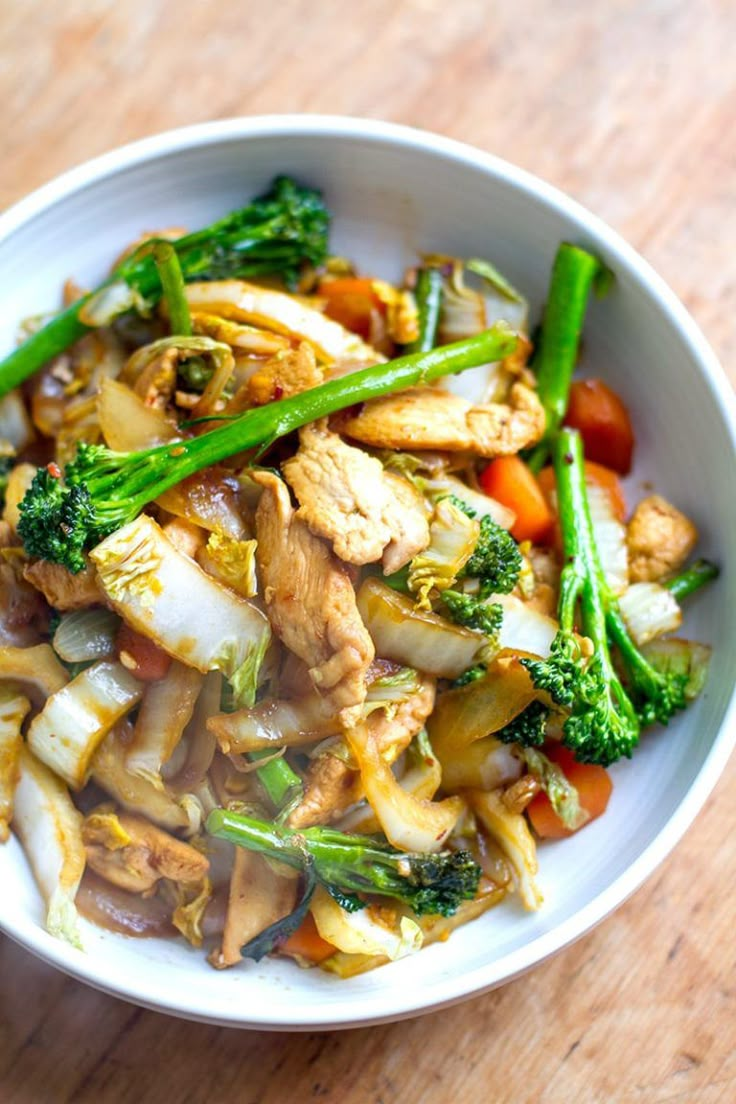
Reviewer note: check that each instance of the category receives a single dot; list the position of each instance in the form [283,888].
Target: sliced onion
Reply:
[138,794]
[19,480]
[126,422]
[198,741]
[407,823]
[73,722]
[113,908]
[15,424]
[166,710]
[86,634]
[37,666]
[210,499]
[649,610]
[275,724]
[414,637]
[483,765]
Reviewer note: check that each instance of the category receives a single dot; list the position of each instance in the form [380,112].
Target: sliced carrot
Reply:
[594,473]
[510,481]
[306,942]
[594,788]
[141,656]
[604,424]
[352,301]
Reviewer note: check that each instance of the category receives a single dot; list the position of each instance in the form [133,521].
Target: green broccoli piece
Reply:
[496,561]
[6,466]
[604,718]
[473,613]
[104,490]
[274,235]
[528,729]
[430,884]
[468,676]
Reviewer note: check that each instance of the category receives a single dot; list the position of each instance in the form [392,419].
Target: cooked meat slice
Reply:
[346,497]
[23,612]
[430,418]
[310,599]
[281,376]
[61,589]
[660,538]
[157,382]
[258,898]
[332,785]
[132,853]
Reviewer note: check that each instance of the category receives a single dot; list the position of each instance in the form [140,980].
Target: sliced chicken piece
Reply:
[258,898]
[132,853]
[333,785]
[287,373]
[431,418]
[23,613]
[346,497]
[660,539]
[310,599]
[61,589]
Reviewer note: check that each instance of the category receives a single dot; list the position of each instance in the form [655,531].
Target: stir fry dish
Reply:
[322,604]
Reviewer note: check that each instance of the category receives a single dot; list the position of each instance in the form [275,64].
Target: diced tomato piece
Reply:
[604,424]
[592,782]
[509,480]
[306,942]
[351,301]
[141,656]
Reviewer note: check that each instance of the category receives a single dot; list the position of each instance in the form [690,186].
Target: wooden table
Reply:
[630,106]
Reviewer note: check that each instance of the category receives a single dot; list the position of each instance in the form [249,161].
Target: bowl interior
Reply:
[394,194]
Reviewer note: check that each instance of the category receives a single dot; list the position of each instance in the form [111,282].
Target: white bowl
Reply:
[396,191]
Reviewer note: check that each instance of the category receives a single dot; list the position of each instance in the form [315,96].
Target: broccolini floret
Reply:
[433,884]
[496,560]
[473,612]
[528,728]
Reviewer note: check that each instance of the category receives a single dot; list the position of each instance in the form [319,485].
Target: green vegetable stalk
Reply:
[692,578]
[275,235]
[347,864]
[574,273]
[104,490]
[428,294]
[172,285]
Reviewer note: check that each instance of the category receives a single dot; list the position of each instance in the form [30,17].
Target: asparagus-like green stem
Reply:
[172,282]
[428,294]
[573,273]
[692,578]
[282,784]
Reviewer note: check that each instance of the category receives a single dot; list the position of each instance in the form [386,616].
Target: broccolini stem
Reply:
[692,578]
[573,273]
[428,294]
[58,334]
[282,784]
[172,282]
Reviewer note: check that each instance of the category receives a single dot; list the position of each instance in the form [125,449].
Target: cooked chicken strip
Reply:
[346,497]
[310,599]
[659,539]
[61,589]
[258,898]
[332,785]
[430,418]
[287,373]
[132,853]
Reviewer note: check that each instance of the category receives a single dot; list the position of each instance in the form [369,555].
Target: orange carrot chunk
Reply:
[604,424]
[351,301]
[592,782]
[510,481]
[141,656]
[307,943]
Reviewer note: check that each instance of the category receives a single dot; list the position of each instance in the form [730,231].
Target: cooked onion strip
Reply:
[37,666]
[511,833]
[166,711]
[13,709]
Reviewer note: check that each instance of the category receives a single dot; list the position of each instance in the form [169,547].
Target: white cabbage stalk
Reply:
[126,422]
[74,720]
[408,823]
[15,425]
[232,562]
[166,711]
[511,833]
[37,666]
[452,539]
[284,314]
[50,830]
[523,628]
[137,794]
[422,778]
[167,597]
[19,480]
[610,537]
[13,710]
[364,931]
[482,504]
[649,611]
[86,634]
[485,764]
[414,637]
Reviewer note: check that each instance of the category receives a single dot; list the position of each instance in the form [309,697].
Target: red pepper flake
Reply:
[54,470]
[278,392]
[178,451]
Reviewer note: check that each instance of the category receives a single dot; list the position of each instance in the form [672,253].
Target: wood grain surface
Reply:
[630,106]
